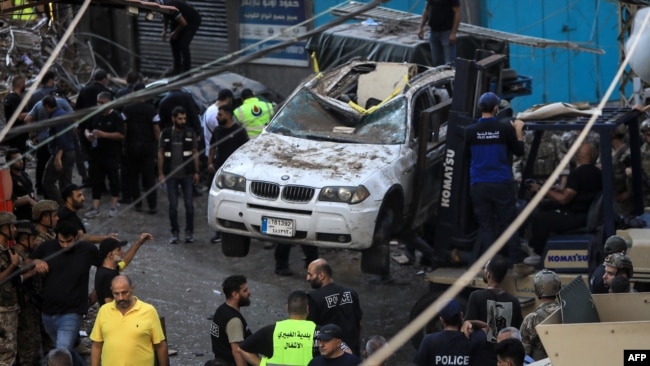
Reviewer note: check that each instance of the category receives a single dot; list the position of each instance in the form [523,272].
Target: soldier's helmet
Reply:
[43,206]
[621,262]
[645,125]
[547,283]
[26,227]
[7,218]
[615,244]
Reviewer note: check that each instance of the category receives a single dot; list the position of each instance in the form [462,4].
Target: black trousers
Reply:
[181,49]
[140,169]
[282,252]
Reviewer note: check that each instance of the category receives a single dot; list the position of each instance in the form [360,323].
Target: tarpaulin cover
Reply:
[381,43]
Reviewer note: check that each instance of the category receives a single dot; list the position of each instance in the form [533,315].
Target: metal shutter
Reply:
[210,42]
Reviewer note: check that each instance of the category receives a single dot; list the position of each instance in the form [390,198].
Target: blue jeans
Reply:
[185,184]
[441,51]
[63,330]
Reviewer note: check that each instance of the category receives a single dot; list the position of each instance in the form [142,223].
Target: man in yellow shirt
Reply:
[127,330]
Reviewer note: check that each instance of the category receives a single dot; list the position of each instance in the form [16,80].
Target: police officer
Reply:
[287,342]
[617,264]
[9,308]
[45,216]
[613,244]
[254,113]
[547,285]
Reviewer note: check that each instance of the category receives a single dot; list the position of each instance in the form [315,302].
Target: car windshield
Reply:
[316,118]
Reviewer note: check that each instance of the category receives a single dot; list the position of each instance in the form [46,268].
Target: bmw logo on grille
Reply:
[285,177]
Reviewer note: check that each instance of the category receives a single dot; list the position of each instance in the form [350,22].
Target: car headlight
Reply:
[227,180]
[349,195]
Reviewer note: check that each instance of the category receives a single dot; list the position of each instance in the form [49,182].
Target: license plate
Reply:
[278,227]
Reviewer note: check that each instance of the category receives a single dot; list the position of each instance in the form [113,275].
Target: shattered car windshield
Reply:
[309,117]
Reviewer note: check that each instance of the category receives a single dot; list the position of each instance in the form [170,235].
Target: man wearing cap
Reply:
[9,305]
[329,345]
[287,342]
[110,252]
[127,331]
[449,346]
[45,217]
[613,244]
[65,267]
[29,319]
[492,143]
[254,113]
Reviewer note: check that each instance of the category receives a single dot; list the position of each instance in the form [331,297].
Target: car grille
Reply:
[265,190]
[289,193]
[297,193]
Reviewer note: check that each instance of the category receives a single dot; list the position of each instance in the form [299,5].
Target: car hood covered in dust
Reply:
[290,160]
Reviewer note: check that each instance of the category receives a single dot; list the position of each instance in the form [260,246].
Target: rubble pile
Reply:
[25,49]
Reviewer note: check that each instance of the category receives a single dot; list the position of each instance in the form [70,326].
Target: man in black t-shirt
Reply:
[333,303]
[73,201]
[566,208]
[443,17]
[110,252]
[11,103]
[227,137]
[105,135]
[183,25]
[142,133]
[65,265]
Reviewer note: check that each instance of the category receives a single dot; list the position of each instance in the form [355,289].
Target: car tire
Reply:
[434,324]
[376,259]
[233,245]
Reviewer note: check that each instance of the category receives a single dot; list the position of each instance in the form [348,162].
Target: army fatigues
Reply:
[41,237]
[551,151]
[29,319]
[645,165]
[8,313]
[529,337]
[622,184]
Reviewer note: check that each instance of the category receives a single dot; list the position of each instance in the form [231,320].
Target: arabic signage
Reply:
[261,19]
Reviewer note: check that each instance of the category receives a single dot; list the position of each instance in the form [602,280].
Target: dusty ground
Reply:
[183,281]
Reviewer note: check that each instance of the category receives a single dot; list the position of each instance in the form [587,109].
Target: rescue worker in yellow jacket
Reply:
[287,342]
[254,113]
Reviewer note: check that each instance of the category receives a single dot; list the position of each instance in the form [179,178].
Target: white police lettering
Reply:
[214,330]
[452,360]
[347,298]
[332,300]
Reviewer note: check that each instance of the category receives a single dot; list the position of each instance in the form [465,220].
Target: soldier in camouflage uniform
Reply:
[9,308]
[44,214]
[547,284]
[645,161]
[620,161]
[549,154]
[29,319]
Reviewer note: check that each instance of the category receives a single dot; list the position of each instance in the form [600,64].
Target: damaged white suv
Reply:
[343,164]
